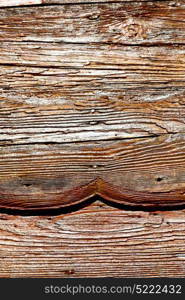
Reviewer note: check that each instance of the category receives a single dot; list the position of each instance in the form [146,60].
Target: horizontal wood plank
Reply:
[63,93]
[144,172]
[6,3]
[84,114]
[144,23]
[96,241]
[90,95]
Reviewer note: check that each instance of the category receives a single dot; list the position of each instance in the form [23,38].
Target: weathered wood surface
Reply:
[96,241]
[138,23]
[148,171]
[6,3]
[64,94]
[92,102]
[19,2]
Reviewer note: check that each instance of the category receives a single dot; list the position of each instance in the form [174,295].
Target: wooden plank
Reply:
[89,95]
[143,172]
[96,241]
[145,23]
[6,3]
[82,114]
[149,60]
[64,93]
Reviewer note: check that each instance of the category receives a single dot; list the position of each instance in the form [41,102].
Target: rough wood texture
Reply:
[70,95]
[96,241]
[76,78]
[138,23]
[135,171]
[19,2]
[6,3]
[92,102]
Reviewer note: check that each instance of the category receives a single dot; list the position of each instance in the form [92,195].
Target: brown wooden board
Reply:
[92,103]
[136,23]
[147,171]
[92,107]
[96,241]
[6,3]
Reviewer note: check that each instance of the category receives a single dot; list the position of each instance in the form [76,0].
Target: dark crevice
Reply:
[152,208]
[67,210]
[47,212]
[72,69]
[27,184]
[36,66]
[159,179]
[13,144]
[122,44]
[116,139]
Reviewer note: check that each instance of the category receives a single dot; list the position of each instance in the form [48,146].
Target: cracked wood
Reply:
[138,23]
[95,241]
[144,172]
[92,102]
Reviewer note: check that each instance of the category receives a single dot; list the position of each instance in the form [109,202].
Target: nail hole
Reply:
[158,179]
[27,184]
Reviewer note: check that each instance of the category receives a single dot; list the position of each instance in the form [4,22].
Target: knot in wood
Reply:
[133,30]
[94,17]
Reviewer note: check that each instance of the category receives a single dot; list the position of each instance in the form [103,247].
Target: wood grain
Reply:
[92,103]
[6,3]
[96,241]
[144,172]
[63,93]
[137,23]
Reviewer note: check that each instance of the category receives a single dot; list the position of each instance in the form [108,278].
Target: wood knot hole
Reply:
[27,184]
[159,178]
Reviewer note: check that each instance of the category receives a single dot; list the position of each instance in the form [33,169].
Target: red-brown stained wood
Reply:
[92,102]
[132,172]
[96,241]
